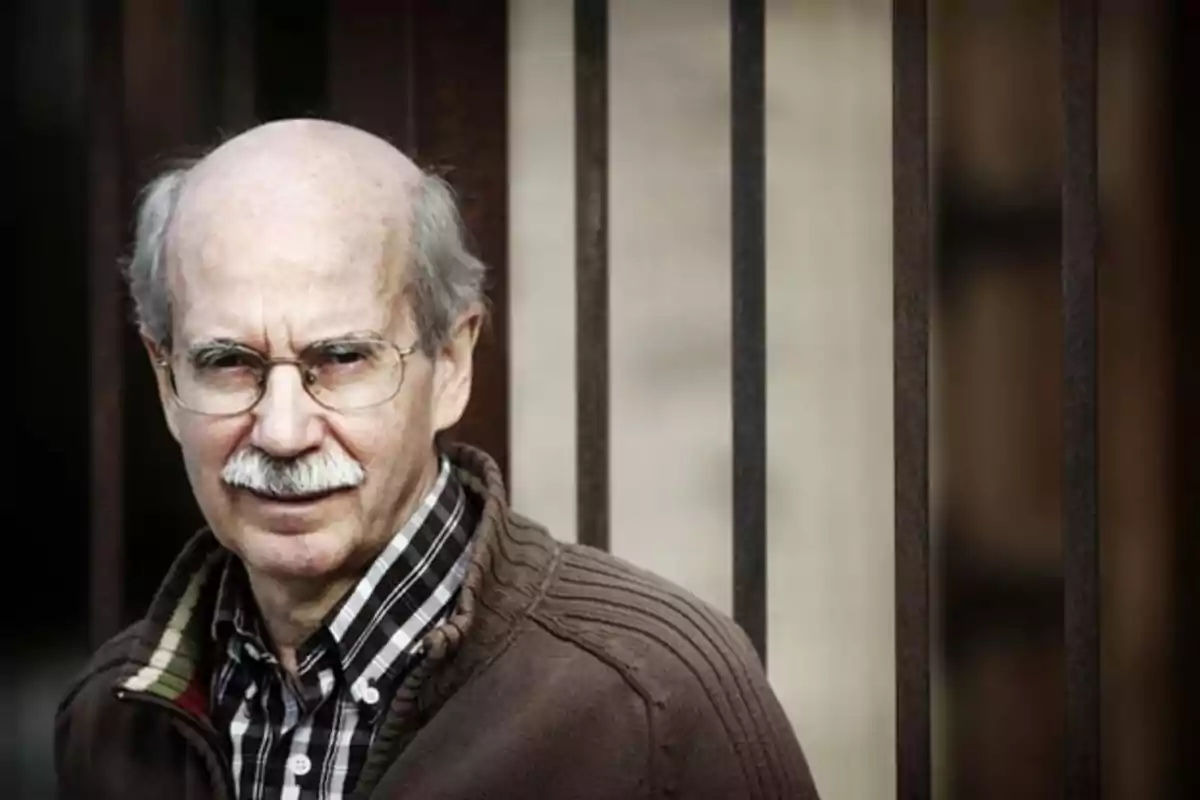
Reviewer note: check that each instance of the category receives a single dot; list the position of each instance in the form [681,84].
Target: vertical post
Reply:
[749,321]
[1184,165]
[105,181]
[591,270]
[1080,527]
[911,280]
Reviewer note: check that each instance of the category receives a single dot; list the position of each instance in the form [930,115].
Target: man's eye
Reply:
[344,357]
[223,361]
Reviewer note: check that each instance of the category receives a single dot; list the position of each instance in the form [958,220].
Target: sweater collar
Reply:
[509,564]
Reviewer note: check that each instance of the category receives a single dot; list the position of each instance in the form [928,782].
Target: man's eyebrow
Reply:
[209,345]
[353,336]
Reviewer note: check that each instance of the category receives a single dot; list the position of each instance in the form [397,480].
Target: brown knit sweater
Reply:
[563,673]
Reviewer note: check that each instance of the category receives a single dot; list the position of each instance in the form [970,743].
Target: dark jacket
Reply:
[563,673]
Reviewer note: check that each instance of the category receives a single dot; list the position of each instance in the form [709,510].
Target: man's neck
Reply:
[294,610]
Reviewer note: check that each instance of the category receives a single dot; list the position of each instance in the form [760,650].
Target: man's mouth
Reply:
[293,499]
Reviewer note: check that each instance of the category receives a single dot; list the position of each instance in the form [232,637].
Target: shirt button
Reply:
[299,764]
[370,695]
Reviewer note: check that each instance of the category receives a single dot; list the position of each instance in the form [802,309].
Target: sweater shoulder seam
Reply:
[619,666]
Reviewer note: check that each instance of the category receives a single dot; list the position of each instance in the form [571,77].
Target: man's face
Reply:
[275,271]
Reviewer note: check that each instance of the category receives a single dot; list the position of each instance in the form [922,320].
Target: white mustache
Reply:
[316,473]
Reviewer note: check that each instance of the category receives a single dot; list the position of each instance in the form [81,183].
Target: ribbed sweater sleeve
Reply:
[717,728]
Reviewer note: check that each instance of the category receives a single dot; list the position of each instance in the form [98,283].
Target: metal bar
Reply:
[591,271]
[749,349]
[911,267]
[105,318]
[1080,523]
[1182,164]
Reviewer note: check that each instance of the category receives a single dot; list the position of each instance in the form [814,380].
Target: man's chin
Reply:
[293,555]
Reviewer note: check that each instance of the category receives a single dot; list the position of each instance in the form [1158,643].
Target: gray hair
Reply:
[446,279]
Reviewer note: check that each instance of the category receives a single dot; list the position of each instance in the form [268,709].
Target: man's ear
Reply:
[158,359]
[453,369]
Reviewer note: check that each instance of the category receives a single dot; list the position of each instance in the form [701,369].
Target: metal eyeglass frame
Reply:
[267,364]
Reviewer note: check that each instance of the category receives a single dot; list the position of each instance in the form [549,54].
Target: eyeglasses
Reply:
[225,378]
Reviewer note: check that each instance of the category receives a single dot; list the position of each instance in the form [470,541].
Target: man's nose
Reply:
[287,420]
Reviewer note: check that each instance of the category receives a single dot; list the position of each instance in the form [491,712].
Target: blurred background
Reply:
[106,93]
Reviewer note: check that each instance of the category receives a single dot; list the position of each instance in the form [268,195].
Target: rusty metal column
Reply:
[749,346]
[911,303]
[1081,551]
[106,317]
[591,271]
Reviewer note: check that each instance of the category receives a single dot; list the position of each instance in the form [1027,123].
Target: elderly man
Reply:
[364,615]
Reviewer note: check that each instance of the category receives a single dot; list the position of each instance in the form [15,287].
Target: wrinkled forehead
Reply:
[315,247]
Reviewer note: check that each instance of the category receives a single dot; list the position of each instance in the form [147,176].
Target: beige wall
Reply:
[829,333]
[542,262]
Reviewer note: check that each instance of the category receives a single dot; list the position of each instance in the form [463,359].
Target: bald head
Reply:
[317,143]
[339,168]
[291,199]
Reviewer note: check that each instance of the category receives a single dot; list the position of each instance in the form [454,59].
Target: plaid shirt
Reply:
[307,736]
